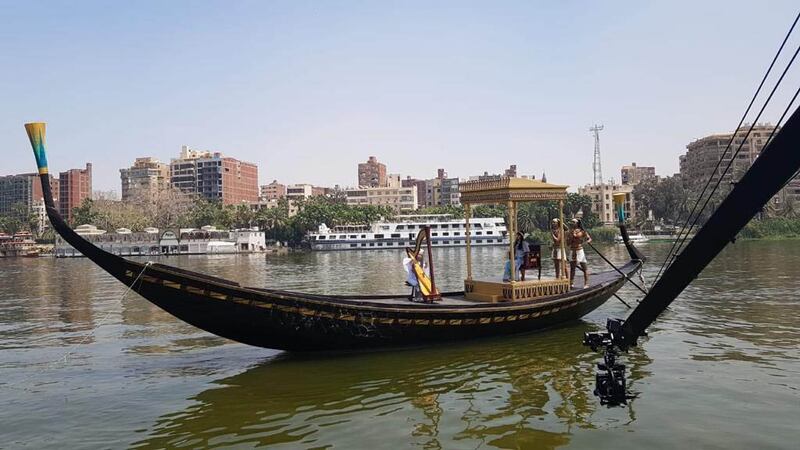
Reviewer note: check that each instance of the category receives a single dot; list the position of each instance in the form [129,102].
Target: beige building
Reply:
[401,199]
[603,201]
[299,191]
[144,178]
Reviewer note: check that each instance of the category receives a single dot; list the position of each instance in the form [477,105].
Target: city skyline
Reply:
[306,91]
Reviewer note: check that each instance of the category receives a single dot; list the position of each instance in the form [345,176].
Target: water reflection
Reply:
[509,393]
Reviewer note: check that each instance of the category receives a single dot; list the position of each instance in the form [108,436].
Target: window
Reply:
[444,225]
[395,235]
[321,238]
[353,236]
[478,233]
[446,242]
[354,245]
[363,244]
[378,236]
[363,236]
[435,234]
[372,244]
[445,234]
[490,232]
[479,241]
[380,244]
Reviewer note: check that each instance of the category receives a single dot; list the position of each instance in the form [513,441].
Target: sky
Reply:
[307,90]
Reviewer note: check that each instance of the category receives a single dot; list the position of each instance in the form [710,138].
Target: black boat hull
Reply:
[306,322]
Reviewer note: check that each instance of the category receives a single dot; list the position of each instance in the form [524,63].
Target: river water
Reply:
[83,367]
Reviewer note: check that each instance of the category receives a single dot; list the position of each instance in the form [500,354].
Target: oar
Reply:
[614,294]
[617,269]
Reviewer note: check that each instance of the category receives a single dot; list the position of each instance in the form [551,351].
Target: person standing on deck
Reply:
[521,250]
[556,234]
[577,237]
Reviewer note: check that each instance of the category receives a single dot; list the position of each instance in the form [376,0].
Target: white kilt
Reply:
[579,256]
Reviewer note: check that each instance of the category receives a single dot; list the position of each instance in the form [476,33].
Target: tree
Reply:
[666,198]
[85,213]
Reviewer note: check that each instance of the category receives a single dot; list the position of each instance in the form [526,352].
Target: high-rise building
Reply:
[75,185]
[511,171]
[214,176]
[634,174]
[699,163]
[24,189]
[144,178]
[372,173]
[273,191]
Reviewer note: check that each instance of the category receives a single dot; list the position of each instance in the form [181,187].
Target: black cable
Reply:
[725,152]
[644,291]
[733,158]
[741,121]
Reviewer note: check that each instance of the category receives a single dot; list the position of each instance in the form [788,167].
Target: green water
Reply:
[721,369]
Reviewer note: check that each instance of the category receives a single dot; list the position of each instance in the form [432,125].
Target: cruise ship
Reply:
[402,231]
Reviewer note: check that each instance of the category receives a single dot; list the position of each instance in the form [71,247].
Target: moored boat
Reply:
[446,231]
[297,321]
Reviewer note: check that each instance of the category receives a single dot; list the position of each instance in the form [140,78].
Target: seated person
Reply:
[411,277]
[507,269]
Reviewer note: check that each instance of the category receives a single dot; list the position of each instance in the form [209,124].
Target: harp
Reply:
[427,284]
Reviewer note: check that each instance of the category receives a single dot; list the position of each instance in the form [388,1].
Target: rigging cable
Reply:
[744,139]
[719,163]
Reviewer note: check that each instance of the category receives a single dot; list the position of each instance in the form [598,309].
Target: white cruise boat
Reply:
[402,231]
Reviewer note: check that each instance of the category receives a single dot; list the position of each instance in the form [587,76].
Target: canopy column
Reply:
[512,234]
[467,233]
[561,224]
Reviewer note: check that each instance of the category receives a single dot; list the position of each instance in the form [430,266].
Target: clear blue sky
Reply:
[308,89]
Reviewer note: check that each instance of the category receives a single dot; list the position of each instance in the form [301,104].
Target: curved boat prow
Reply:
[632,250]
[114,264]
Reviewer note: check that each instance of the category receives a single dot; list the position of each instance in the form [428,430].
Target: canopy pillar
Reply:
[512,234]
[467,233]
[562,244]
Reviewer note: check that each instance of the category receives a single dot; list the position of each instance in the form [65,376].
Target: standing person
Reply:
[577,237]
[521,250]
[556,234]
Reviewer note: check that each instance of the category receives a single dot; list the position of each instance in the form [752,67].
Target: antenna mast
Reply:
[598,171]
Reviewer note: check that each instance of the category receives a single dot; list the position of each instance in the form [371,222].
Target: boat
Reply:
[18,245]
[636,238]
[296,321]
[151,242]
[400,232]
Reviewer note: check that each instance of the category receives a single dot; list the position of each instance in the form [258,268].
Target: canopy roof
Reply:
[502,190]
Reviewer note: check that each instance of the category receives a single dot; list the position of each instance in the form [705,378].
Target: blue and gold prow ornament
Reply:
[619,205]
[36,132]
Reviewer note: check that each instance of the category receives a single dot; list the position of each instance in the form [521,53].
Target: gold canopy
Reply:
[511,191]
[503,190]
